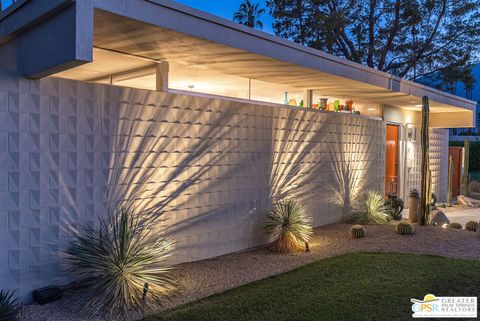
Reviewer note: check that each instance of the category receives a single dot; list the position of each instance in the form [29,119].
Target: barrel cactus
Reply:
[357,231]
[471,226]
[404,228]
[455,225]
[414,193]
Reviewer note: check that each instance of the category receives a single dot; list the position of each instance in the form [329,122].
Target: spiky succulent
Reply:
[357,231]
[370,209]
[471,226]
[9,305]
[288,226]
[455,225]
[119,265]
[404,228]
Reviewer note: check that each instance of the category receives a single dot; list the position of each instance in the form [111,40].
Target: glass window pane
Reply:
[201,80]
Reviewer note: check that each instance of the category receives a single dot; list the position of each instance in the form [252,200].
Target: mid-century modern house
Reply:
[201,119]
[471,92]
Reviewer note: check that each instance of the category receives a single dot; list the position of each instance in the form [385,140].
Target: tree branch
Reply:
[427,43]
[391,37]
[371,33]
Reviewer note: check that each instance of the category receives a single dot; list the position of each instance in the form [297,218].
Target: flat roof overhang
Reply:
[167,31]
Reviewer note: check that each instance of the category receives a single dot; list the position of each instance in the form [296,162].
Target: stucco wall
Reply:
[210,166]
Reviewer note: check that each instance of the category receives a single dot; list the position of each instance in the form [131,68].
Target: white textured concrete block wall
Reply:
[69,149]
[438,163]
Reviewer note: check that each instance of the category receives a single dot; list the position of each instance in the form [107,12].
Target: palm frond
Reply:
[248,14]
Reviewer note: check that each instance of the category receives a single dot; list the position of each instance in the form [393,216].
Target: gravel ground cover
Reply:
[197,280]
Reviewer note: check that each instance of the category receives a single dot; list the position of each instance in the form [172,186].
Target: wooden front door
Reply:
[456,153]
[391,168]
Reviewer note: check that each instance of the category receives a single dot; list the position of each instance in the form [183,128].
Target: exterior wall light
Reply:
[411,132]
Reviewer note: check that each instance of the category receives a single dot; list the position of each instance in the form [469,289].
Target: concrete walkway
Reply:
[464,215]
[457,214]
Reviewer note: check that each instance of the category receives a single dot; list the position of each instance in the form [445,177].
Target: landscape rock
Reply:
[439,219]
[467,201]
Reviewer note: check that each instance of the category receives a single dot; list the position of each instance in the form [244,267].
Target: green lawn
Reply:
[362,286]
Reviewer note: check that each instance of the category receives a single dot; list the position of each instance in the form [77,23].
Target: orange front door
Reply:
[456,152]
[391,171]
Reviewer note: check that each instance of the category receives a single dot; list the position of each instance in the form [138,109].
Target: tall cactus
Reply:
[424,208]
[450,180]
[466,161]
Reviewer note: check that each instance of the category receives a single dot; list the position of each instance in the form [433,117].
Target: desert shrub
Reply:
[395,205]
[471,226]
[288,226]
[9,306]
[119,265]
[357,231]
[370,209]
[404,228]
[455,225]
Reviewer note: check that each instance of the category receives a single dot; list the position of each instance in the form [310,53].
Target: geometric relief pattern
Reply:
[438,153]
[70,150]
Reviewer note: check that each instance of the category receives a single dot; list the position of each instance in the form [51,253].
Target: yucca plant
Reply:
[119,265]
[370,209]
[9,306]
[288,226]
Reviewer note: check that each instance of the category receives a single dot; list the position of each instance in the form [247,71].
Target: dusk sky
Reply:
[226,8]
[222,8]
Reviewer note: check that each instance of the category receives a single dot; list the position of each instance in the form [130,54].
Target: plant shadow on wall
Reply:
[353,162]
[189,162]
[296,163]
[169,155]
[322,160]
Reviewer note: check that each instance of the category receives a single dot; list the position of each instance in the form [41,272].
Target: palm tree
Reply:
[248,14]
